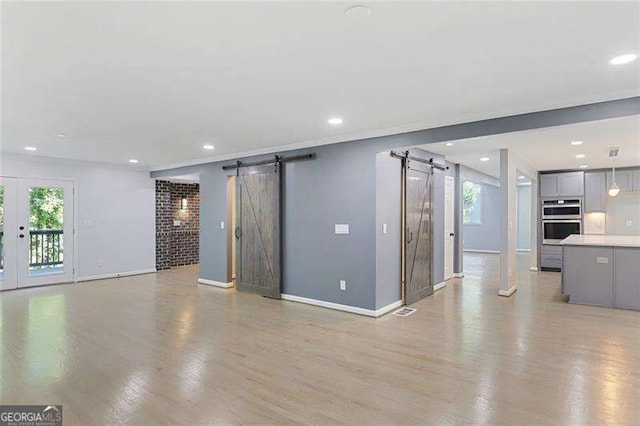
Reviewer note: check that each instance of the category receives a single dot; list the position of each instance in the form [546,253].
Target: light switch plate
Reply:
[343,285]
[177,223]
[222,225]
[601,259]
[342,229]
[384,228]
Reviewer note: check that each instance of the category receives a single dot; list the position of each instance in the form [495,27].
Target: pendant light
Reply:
[613,153]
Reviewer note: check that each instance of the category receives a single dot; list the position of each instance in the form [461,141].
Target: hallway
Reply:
[159,348]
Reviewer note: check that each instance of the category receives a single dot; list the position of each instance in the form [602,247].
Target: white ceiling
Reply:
[156,80]
[550,148]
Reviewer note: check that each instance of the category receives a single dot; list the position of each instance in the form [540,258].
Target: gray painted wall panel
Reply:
[487,235]
[388,246]
[523,223]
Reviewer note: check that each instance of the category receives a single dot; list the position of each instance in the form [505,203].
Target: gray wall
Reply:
[523,222]
[339,187]
[388,246]
[485,236]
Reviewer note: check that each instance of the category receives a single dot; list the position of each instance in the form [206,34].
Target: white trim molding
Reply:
[482,251]
[507,293]
[345,308]
[439,286]
[458,274]
[533,268]
[117,275]
[215,283]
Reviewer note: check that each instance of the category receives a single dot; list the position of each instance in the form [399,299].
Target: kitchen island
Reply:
[602,270]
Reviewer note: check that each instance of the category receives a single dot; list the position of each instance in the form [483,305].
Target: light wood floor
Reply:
[160,349]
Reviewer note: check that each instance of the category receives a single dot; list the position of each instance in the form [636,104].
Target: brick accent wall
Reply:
[177,245]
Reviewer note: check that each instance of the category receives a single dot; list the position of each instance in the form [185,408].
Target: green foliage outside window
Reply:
[46,208]
[471,203]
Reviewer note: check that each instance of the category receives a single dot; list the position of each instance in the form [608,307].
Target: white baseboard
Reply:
[524,250]
[482,251]
[458,274]
[117,275]
[507,293]
[439,286]
[345,308]
[215,283]
[533,268]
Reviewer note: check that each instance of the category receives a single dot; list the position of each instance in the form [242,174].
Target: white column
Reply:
[508,228]
[535,209]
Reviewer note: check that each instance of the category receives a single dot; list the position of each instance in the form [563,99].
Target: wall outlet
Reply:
[342,228]
[343,285]
[177,223]
[99,263]
[628,223]
[600,259]
[384,228]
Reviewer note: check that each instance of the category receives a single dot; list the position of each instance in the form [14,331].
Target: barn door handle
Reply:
[238,233]
[410,235]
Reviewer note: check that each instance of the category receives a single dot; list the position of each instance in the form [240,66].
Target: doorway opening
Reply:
[36,232]
[177,222]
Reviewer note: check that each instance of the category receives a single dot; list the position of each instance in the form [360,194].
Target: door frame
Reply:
[449,183]
[75,218]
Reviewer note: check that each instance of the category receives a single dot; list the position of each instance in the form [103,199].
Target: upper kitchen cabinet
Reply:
[595,192]
[625,180]
[570,184]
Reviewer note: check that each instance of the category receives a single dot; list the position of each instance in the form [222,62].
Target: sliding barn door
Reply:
[258,230]
[418,180]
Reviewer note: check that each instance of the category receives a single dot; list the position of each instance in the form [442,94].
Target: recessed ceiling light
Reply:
[30,148]
[358,13]
[62,135]
[583,166]
[580,155]
[133,161]
[623,59]
[449,144]
[207,147]
[335,121]
[484,159]
[576,143]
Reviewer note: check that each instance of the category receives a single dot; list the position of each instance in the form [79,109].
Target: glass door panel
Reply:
[46,235]
[45,239]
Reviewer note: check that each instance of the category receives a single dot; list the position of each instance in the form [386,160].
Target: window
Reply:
[472,206]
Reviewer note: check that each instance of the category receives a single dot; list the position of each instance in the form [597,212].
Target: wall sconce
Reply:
[183,204]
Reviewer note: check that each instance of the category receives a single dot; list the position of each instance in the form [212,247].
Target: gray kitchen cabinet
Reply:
[635,175]
[551,257]
[587,274]
[627,282]
[595,192]
[570,184]
[624,179]
[549,185]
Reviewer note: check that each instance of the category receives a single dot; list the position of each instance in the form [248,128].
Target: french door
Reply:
[36,232]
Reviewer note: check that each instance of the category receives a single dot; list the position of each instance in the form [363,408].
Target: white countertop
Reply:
[602,240]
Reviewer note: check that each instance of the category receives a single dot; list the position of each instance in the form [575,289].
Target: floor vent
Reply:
[404,312]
